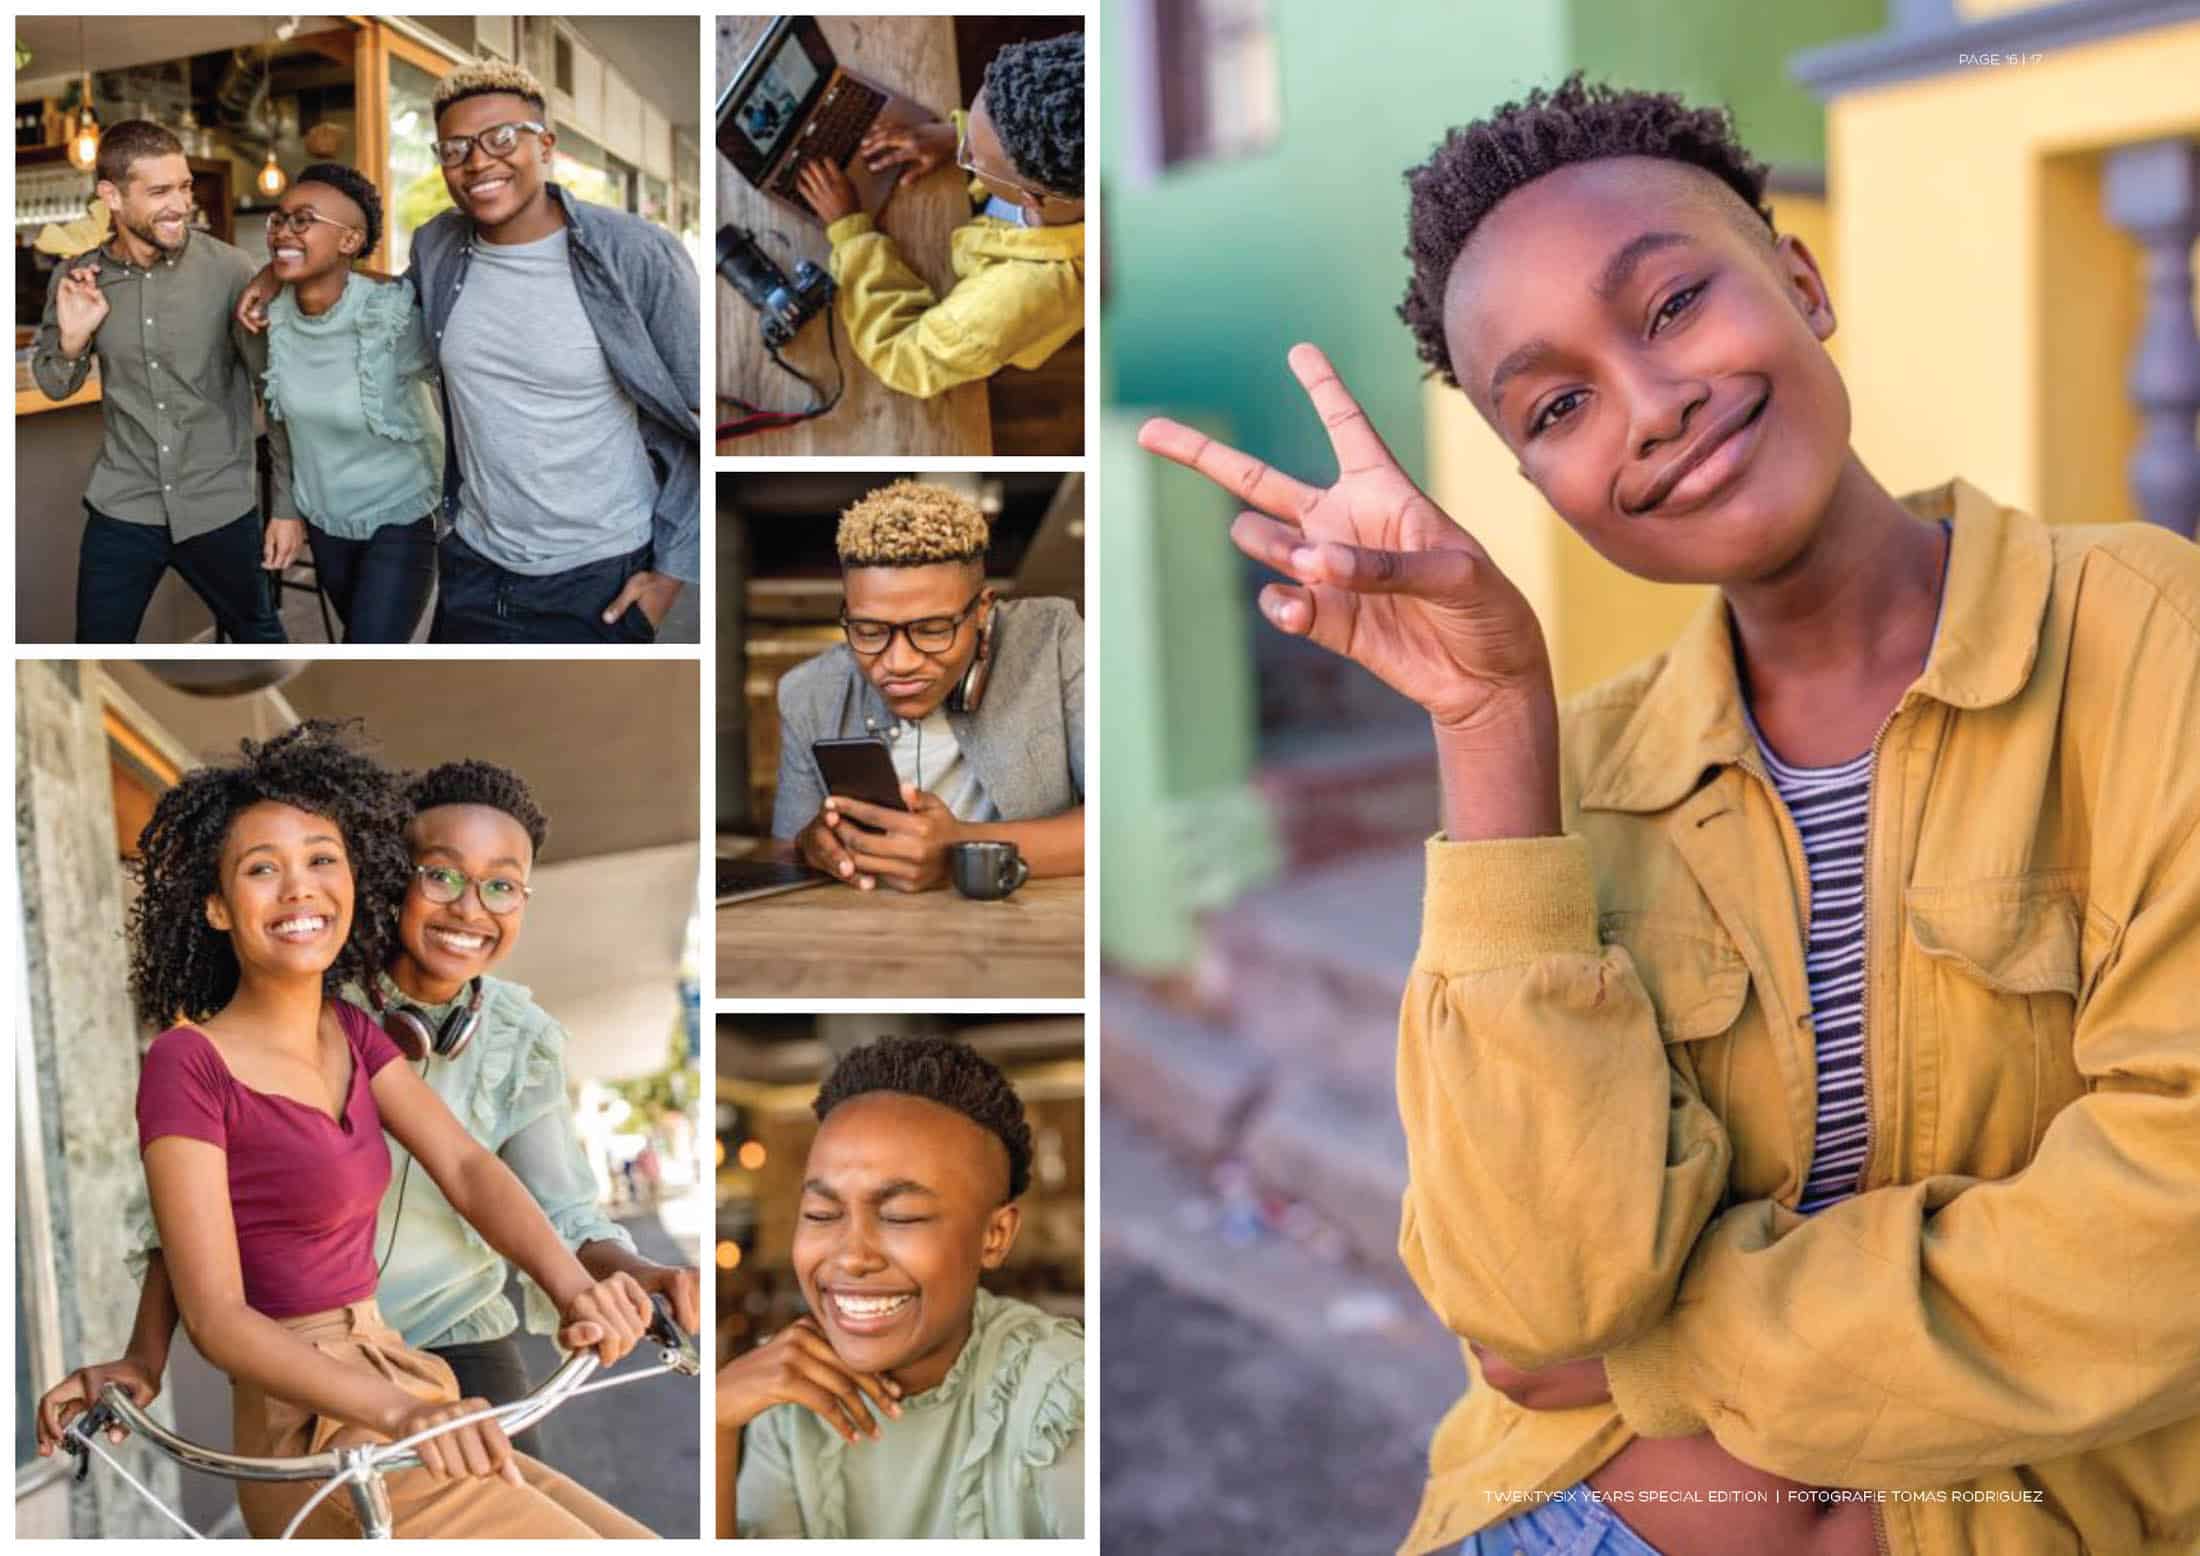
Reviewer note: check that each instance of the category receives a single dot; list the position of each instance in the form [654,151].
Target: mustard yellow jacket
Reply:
[1019,296]
[1606,1074]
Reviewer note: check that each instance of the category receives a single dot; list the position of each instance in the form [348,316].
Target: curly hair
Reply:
[487,76]
[1479,164]
[181,967]
[1035,93]
[954,1075]
[911,524]
[354,186]
[472,782]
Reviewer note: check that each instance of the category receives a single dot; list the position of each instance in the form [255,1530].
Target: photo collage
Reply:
[1604,966]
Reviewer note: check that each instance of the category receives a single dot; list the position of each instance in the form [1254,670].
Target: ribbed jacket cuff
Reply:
[1502,903]
[1645,1378]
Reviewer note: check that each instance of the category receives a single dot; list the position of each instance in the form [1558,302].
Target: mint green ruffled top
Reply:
[354,388]
[996,1451]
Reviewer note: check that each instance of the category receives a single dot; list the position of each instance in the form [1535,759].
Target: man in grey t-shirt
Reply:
[555,336]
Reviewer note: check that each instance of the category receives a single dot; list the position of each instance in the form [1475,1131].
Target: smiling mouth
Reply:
[867,1313]
[487,186]
[290,255]
[1716,440]
[458,942]
[300,927]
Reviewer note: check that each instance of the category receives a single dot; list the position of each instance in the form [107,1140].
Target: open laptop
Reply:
[742,880]
[791,100]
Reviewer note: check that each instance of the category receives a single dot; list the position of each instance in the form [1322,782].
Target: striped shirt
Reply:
[1828,805]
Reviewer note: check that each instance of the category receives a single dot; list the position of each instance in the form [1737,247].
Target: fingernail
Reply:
[845,867]
[1303,556]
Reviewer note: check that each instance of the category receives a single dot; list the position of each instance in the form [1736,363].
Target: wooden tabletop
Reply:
[837,942]
[915,55]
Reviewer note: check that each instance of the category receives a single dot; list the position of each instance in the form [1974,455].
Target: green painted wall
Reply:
[1722,51]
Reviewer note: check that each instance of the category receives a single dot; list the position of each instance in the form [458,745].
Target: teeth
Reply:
[458,941]
[868,1307]
[309,925]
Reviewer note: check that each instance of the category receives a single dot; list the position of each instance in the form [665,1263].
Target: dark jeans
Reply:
[496,1371]
[480,602]
[380,585]
[119,566]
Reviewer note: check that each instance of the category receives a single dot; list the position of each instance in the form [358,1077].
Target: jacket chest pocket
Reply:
[1715,1037]
[1993,979]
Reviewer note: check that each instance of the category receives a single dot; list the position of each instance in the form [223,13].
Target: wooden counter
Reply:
[835,941]
[915,55]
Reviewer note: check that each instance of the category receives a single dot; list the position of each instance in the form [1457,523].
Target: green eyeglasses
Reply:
[443,885]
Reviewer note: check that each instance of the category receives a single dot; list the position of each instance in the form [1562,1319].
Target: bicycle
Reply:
[362,1467]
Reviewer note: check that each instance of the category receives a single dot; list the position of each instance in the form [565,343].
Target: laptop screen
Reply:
[772,110]
[778,85]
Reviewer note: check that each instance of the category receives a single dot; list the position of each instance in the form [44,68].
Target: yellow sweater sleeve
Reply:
[1559,1168]
[921,344]
[1925,1333]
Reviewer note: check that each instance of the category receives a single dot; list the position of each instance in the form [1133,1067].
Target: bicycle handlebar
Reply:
[677,1352]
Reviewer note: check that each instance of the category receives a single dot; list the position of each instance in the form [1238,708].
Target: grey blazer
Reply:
[1026,741]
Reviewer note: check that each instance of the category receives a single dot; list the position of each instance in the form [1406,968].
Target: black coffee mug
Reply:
[986,870]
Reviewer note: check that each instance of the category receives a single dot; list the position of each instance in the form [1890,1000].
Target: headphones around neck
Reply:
[417,1034]
[970,690]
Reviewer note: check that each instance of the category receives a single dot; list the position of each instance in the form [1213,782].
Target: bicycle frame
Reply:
[361,1467]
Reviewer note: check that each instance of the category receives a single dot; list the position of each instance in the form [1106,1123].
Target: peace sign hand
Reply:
[1381,574]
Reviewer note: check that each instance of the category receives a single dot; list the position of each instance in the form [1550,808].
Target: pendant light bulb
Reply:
[84,144]
[271,180]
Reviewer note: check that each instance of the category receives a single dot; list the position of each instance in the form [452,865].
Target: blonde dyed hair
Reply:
[486,76]
[911,524]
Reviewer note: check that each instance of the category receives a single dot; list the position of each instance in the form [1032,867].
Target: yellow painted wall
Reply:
[1989,305]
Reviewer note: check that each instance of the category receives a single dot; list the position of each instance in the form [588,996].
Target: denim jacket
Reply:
[640,291]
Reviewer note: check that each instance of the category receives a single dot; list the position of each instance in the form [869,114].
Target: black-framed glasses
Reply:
[281,221]
[441,884]
[964,160]
[499,140]
[927,634]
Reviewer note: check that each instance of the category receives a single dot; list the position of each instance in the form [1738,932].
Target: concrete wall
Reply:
[85,1045]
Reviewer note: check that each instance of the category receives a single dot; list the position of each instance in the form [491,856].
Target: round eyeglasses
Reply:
[443,885]
[280,222]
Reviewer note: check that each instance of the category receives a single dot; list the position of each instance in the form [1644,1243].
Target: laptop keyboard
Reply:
[834,131]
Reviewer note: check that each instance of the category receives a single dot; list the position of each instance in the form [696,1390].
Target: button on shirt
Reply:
[176,377]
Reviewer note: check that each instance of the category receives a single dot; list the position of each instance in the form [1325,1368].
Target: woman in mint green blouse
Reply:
[349,373]
[909,1402]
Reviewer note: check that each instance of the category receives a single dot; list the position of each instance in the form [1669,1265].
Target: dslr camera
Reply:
[782,306]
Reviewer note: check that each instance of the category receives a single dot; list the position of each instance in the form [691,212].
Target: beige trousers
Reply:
[548,1507]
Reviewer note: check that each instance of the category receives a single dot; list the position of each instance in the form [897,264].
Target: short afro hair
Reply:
[911,524]
[954,1075]
[181,967]
[1479,164]
[1035,93]
[472,782]
[354,186]
[124,146]
[486,76]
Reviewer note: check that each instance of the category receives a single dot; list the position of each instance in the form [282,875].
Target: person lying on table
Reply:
[980,701]
[497,1060]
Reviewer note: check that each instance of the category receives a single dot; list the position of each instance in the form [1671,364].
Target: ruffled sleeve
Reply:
[282,319]
[1028,1428]
[392,351]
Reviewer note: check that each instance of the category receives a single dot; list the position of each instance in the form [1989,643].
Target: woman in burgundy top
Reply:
[260,1116]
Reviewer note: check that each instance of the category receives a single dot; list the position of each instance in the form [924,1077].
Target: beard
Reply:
[146,232]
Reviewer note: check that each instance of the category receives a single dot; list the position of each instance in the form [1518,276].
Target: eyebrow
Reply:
[318,837]
[1610,281]
[439,848]
[880,1196]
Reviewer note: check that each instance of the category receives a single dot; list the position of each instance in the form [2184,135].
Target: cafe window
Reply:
[589,171]
[417,193]
[1209,90]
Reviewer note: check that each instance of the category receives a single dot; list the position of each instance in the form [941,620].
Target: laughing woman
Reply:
[349,372]
[260,1118]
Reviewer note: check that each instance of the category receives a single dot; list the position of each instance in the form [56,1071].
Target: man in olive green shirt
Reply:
[176,482]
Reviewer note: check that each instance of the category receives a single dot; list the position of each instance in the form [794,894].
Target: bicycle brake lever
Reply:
[677,1346]
[97,1419]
